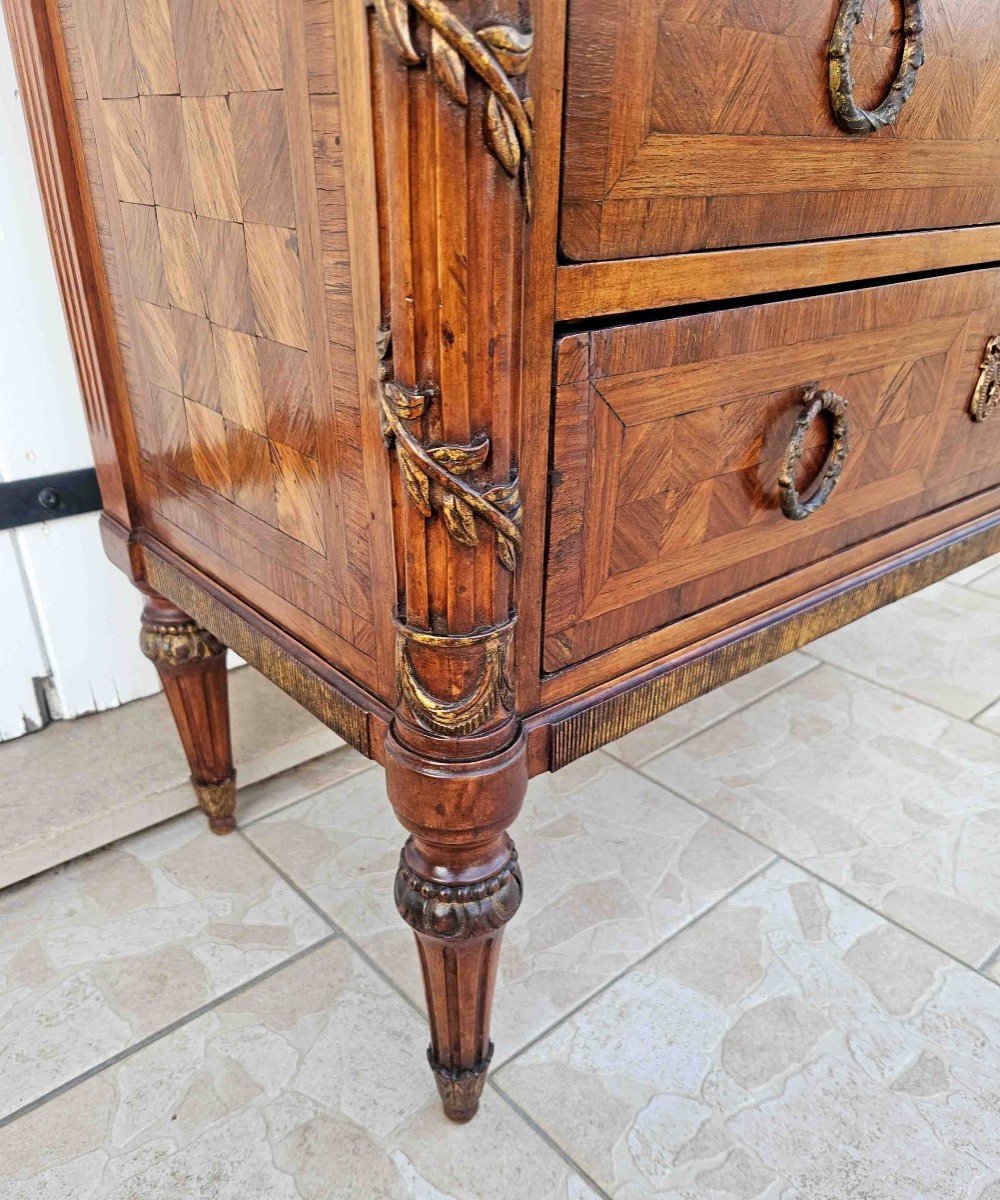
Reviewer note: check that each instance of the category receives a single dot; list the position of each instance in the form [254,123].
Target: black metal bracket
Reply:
[48,497]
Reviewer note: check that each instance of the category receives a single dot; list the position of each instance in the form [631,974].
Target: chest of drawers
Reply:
[497,378]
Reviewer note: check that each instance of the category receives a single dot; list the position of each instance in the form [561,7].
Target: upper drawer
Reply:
[670,442]
[694,124]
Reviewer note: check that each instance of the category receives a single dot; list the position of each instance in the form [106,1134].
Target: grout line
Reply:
[172,1027]
[549,1140]
[778,687]
[982,713]
[340,932]
[888,687]
[689,924]
[310,795]
[990,961]
[814,874]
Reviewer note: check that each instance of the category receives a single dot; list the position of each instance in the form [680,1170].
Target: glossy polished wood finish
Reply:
[695,126]
[602,289]
[310,253]
[211,135]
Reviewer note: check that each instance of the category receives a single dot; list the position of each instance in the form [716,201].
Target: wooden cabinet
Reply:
[497,377]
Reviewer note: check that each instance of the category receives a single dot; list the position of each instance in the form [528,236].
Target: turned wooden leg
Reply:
[457,886]
[192,667]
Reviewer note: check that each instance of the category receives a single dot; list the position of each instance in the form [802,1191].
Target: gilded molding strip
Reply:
[497,54]
[493,690]
[849,115]
[321,698]
[434,475]
[987,394]
[619,715]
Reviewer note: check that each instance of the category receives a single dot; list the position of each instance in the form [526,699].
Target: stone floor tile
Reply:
[990,719]
[791,1045]
[270,795]
[988,583]
[100,953]
[941,646]
[112,774]
[310,1085]
[613,865]
[636,748]
[892,800]
[976,571]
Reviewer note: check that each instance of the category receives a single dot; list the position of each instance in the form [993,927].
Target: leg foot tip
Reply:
[461,1116]
[218,803]
[460,1089]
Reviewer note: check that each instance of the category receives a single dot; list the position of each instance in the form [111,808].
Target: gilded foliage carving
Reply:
[437,480]
[178,644]
[498,54]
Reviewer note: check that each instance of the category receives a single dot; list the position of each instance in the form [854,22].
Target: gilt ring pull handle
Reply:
[814,402]
[848,113]
[986,399]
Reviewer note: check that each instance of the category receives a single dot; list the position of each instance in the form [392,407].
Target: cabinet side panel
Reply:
[213,157]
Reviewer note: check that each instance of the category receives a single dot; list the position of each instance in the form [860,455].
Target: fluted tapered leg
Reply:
[192,667]
[457,886]
[459,929]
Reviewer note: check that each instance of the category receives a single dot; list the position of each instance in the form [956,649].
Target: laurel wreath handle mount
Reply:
[848,113]
[814,402]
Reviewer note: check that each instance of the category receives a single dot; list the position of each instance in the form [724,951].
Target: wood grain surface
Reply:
[215,164]
[693,126]
[669,438]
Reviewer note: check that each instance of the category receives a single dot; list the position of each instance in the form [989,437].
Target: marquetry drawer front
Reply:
[693,125]
[672,438]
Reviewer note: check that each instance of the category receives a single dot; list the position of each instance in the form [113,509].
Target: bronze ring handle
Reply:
[987,394]
[849,115]
[814,402]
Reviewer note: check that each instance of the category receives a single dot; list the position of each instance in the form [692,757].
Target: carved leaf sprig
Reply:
[449,68]
[507,499]
[498,54]
[395,18]
[435,476]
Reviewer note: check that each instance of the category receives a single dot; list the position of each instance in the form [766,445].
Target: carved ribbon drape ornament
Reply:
[987,394]
[492,692]
[435,477]
[849,115]
[497,54]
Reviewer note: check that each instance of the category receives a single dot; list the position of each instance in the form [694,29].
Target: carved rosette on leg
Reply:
[191,664]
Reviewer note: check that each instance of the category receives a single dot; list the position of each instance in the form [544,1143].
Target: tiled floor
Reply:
[759,957]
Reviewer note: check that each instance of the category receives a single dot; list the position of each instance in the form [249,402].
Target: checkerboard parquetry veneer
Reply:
[498,375]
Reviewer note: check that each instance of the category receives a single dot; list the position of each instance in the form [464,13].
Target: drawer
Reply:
[694,125]
[670,439]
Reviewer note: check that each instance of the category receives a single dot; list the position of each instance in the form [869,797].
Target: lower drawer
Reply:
[672,438]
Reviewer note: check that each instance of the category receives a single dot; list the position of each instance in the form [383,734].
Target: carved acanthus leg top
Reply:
[191,664]
[457,886]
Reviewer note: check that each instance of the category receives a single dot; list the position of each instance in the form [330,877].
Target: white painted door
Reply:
[67,617]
